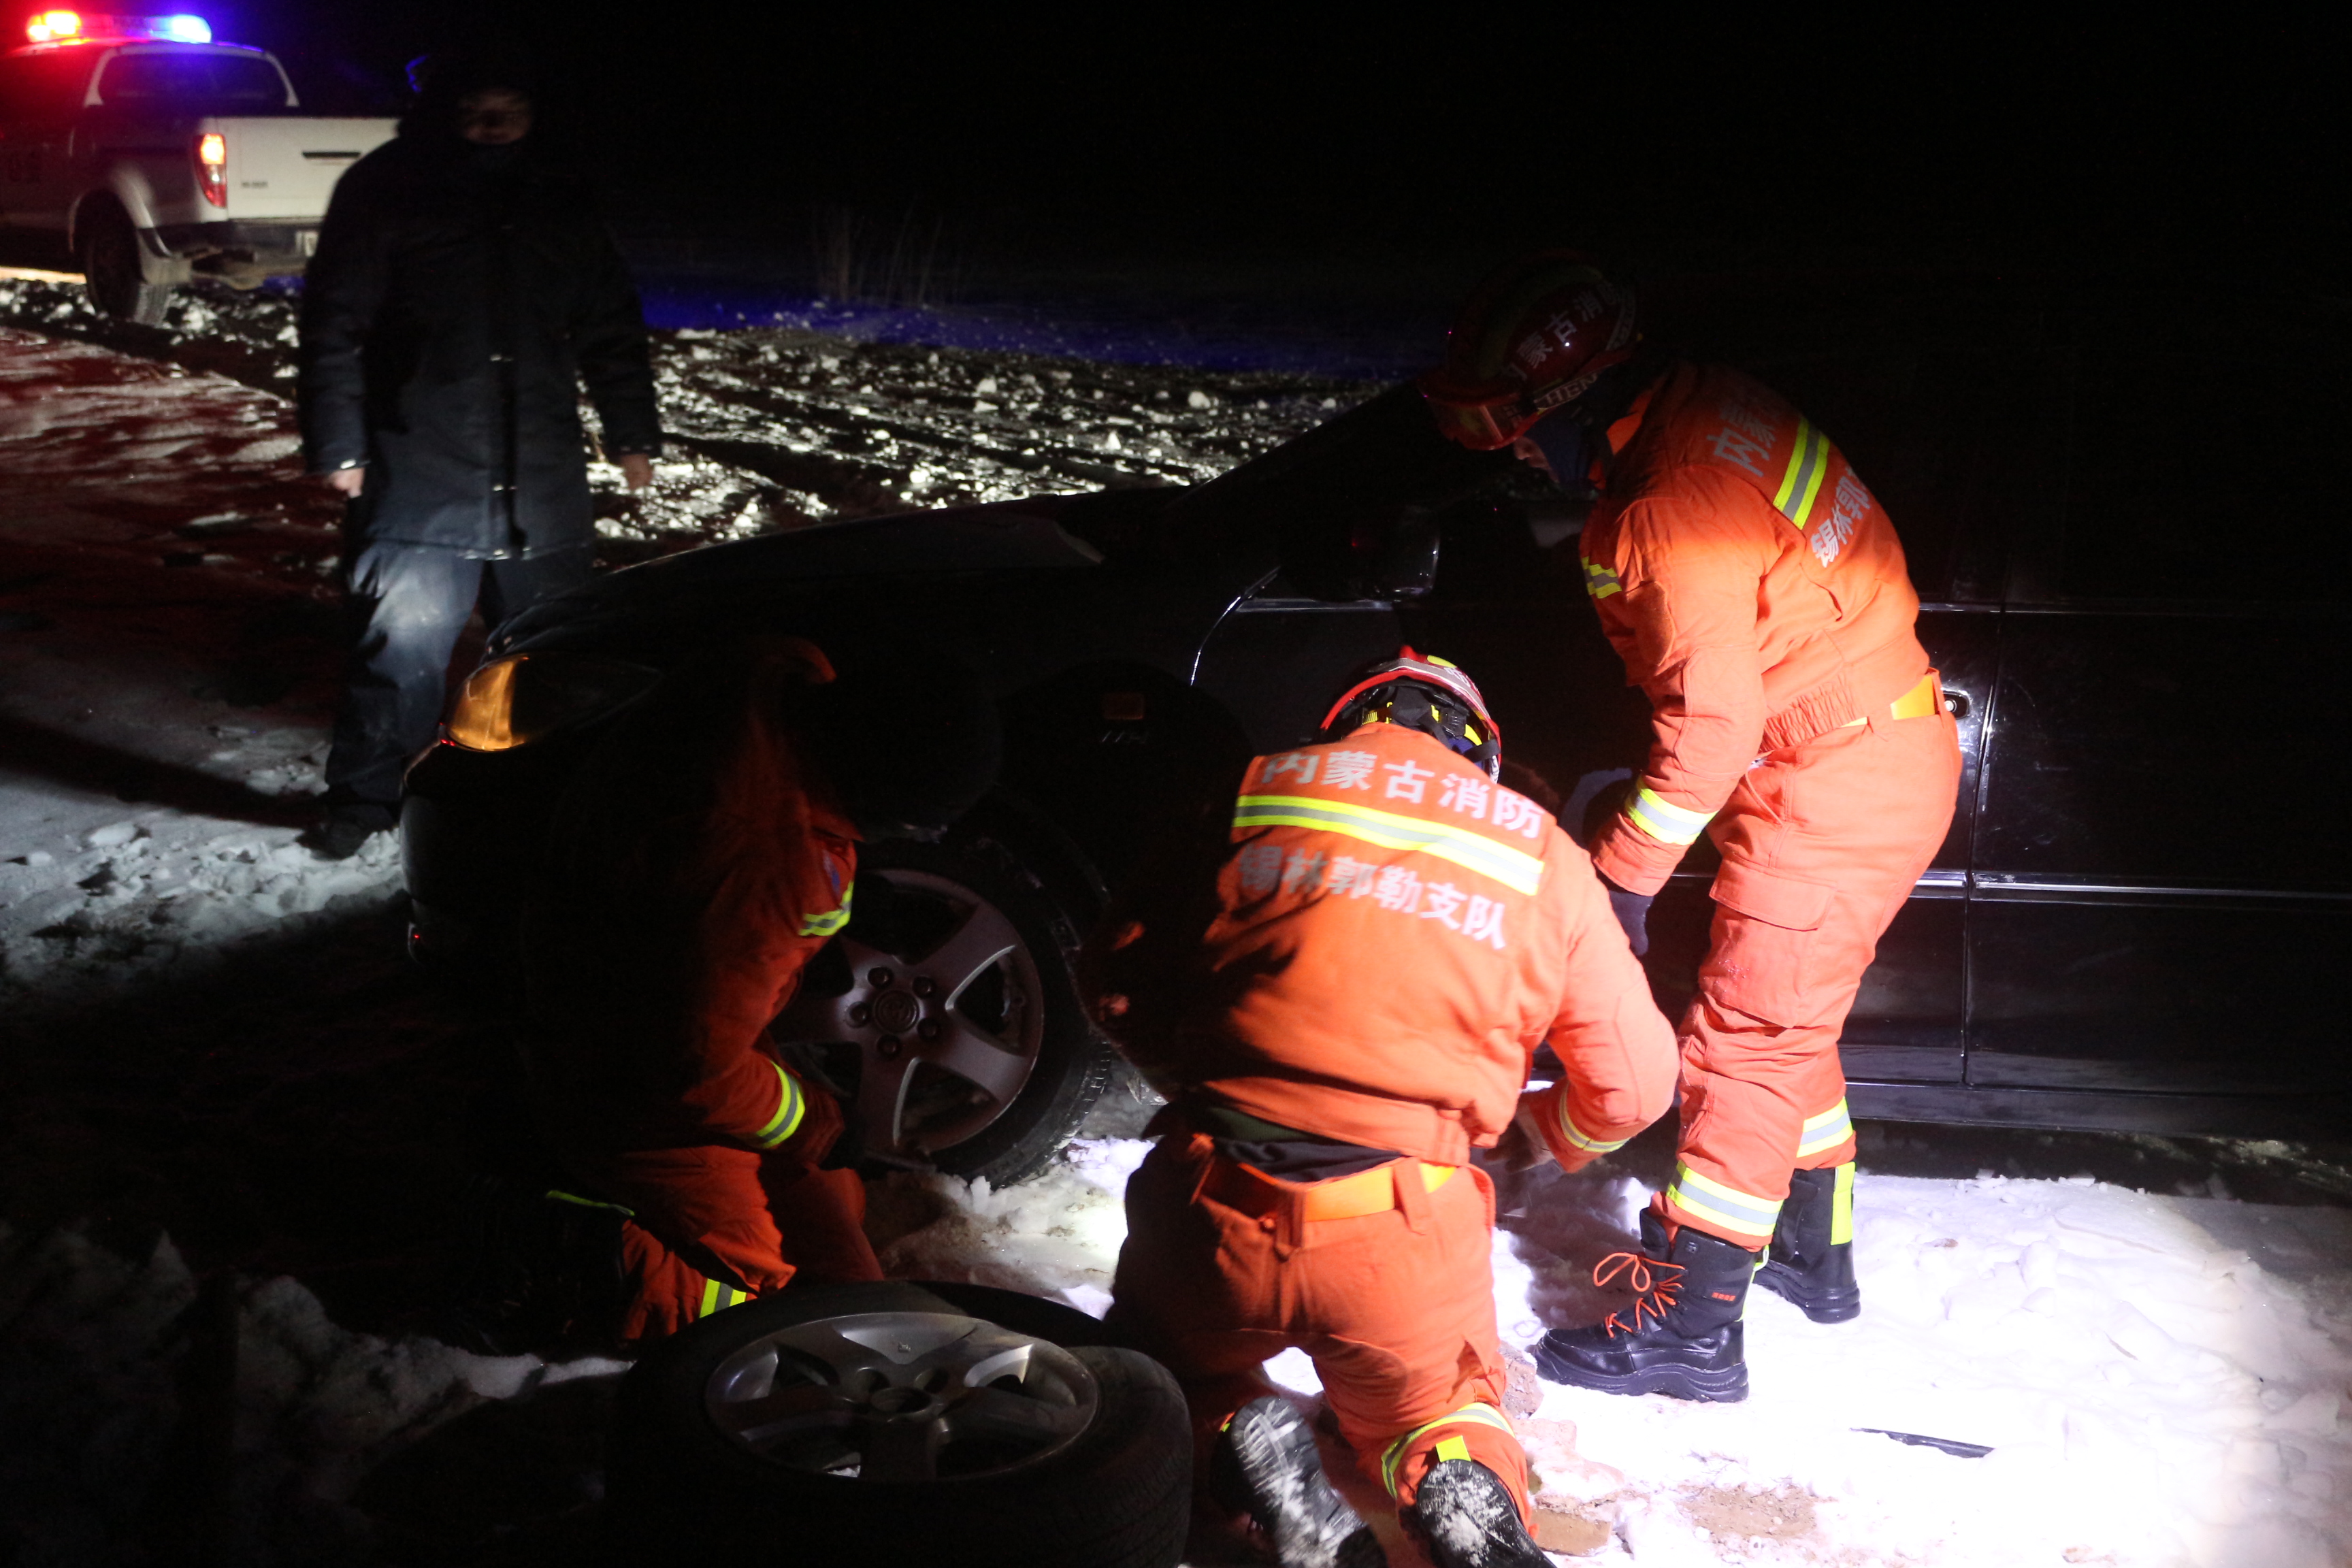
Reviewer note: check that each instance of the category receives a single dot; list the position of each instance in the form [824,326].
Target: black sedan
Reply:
[2123,516]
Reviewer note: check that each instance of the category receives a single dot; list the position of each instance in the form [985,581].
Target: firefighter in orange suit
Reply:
[1757,592]
[704,853]
[1340,981]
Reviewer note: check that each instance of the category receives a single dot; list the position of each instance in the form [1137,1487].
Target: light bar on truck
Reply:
[72,27]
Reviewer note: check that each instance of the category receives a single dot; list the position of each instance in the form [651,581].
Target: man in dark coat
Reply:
[463,292]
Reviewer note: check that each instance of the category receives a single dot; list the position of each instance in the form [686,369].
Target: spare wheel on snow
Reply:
[911,1425]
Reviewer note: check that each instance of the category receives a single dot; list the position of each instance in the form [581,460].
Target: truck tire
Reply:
[973,957]
[752,1434]
[113,274]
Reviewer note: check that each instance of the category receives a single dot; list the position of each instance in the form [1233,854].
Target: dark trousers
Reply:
[407,603]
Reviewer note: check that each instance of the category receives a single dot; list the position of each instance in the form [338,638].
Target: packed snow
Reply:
[2159,1379]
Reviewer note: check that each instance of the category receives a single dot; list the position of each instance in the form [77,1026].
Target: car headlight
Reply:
[513,702]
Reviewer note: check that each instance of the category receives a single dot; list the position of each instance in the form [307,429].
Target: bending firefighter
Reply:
[1339,979]
[1757,595]
[704,853]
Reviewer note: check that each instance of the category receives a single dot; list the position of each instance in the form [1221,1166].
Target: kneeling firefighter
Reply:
[702,856]
[1757,592]
[1340,977]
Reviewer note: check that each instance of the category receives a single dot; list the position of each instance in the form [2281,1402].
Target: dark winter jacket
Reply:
[460,297]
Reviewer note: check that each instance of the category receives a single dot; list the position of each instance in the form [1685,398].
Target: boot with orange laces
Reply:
[1681,1337]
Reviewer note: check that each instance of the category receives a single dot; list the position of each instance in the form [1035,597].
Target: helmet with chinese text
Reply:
[1534,337]
[1425,693]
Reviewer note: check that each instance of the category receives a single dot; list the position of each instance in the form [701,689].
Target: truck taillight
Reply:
[212,167]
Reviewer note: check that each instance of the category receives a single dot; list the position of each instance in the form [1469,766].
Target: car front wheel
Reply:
[946,1015]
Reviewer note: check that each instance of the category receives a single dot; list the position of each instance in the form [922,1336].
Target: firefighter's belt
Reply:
[1343,1197]
[1917,704]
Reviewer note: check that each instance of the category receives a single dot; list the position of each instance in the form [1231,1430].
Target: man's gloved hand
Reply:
[1633,912]
[1521,1147]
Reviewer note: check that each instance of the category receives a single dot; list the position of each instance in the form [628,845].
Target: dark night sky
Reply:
[1685,141]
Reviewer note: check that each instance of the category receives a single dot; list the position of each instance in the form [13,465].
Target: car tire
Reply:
[748,1436]
[836,1021]
[114,276]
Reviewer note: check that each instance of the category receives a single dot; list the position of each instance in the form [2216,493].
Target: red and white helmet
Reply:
[1536,334]
[1422,693]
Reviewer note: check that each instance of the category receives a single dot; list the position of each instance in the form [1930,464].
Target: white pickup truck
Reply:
[150,155]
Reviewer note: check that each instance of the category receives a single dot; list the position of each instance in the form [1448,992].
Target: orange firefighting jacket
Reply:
[1754,588]
[671,924]
[1373,954]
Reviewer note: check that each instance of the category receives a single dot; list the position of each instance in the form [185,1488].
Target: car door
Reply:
[2163,882]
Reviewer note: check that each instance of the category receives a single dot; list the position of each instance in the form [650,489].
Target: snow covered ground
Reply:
[2159,1378]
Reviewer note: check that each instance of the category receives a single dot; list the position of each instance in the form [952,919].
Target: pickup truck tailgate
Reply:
[286,166]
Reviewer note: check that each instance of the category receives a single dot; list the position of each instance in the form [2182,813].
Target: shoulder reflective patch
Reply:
[1802,482]
[832,920]
[1665,821]
[1599,581]
[1514,869]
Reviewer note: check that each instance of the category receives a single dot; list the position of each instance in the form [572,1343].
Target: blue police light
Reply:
[184,30]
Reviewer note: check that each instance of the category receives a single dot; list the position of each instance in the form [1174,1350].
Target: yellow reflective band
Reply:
[1827,1131]
[1514,869]
[1475,1414]
[1727,1206]
[1842,1205]
[788,1110]
[1665,821]
[1599,581]
[718,1297]
[1578,1139]
[831,922]
[1802,482]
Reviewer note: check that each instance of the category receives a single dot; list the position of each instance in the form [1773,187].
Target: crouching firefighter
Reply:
[1757,592]
[704,853]
[1340,977]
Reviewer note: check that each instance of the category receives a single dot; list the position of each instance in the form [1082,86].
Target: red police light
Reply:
[51,26]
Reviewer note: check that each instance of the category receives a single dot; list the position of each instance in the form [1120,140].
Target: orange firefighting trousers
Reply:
[714,1225]
[1396,1308]
[1822,843]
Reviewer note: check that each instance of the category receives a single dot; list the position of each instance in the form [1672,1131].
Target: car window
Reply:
[2201,476]
[43,87]
[191,83]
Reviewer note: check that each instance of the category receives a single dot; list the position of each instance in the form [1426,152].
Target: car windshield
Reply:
[193,83]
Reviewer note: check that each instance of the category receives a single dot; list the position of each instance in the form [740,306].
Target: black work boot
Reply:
[1465,1518]
[1810,1265]
[539,1266]
[1680,1337]
[346,826]
[1266,1463]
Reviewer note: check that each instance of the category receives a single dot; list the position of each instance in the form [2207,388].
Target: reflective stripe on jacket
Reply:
[1389,937]
[1754,588]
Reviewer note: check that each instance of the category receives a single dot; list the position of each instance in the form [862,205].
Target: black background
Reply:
[1666,141]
